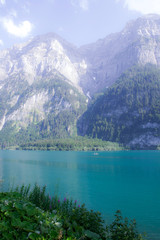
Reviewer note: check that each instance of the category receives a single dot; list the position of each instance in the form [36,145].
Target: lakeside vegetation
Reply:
[27,213]
[70,144]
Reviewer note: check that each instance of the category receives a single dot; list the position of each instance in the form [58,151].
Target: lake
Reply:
[104,181]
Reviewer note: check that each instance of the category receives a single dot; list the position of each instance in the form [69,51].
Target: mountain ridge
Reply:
[46,83]
[137,43]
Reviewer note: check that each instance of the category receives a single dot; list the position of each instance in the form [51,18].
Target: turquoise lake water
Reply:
[106,182]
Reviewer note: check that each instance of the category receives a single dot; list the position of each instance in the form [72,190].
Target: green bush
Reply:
[27,213]
[20,219]
[122,229]
[76,219]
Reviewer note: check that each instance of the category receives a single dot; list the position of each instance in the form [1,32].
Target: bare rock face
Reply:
[40,56]
[29,70]
[138,43]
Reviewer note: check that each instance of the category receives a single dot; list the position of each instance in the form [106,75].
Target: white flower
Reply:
[58,224]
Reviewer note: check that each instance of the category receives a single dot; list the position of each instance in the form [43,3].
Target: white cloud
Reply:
[3,2]
[1,42]
[21,30]
[83,4]
[143,6]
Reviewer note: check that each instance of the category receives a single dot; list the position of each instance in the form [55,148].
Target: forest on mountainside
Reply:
[128,110]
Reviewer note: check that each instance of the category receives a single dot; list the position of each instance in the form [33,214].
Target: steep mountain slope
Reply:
[40,56]
[107,59]
[39,81]
[49,108]
[129,111]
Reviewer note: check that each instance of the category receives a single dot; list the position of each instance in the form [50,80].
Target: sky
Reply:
[77,21]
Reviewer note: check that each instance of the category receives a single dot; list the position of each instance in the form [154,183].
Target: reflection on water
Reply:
[106,182]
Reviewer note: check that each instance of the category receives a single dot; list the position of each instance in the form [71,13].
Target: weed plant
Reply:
[30,213]
[20,219]
[76,218]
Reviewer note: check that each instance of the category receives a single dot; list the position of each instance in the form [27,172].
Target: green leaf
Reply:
[91,235]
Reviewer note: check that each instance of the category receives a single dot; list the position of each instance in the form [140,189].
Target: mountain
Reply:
[107,59]
[40,56]
[49,108]
[39,89]
[46,83]
[128,112]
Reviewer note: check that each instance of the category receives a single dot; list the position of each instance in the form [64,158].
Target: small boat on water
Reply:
[95,153]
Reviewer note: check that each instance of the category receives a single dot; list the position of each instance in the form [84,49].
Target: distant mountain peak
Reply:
[137,43]
[151,16]
[151,22]
[41,55]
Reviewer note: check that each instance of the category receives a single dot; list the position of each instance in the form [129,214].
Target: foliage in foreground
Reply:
[123,229]
[20,219]
[32,214]
[75,219]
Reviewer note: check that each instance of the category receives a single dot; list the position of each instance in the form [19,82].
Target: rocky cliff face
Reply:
[48,108]
[107,59]
[28,72]
[40,56]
